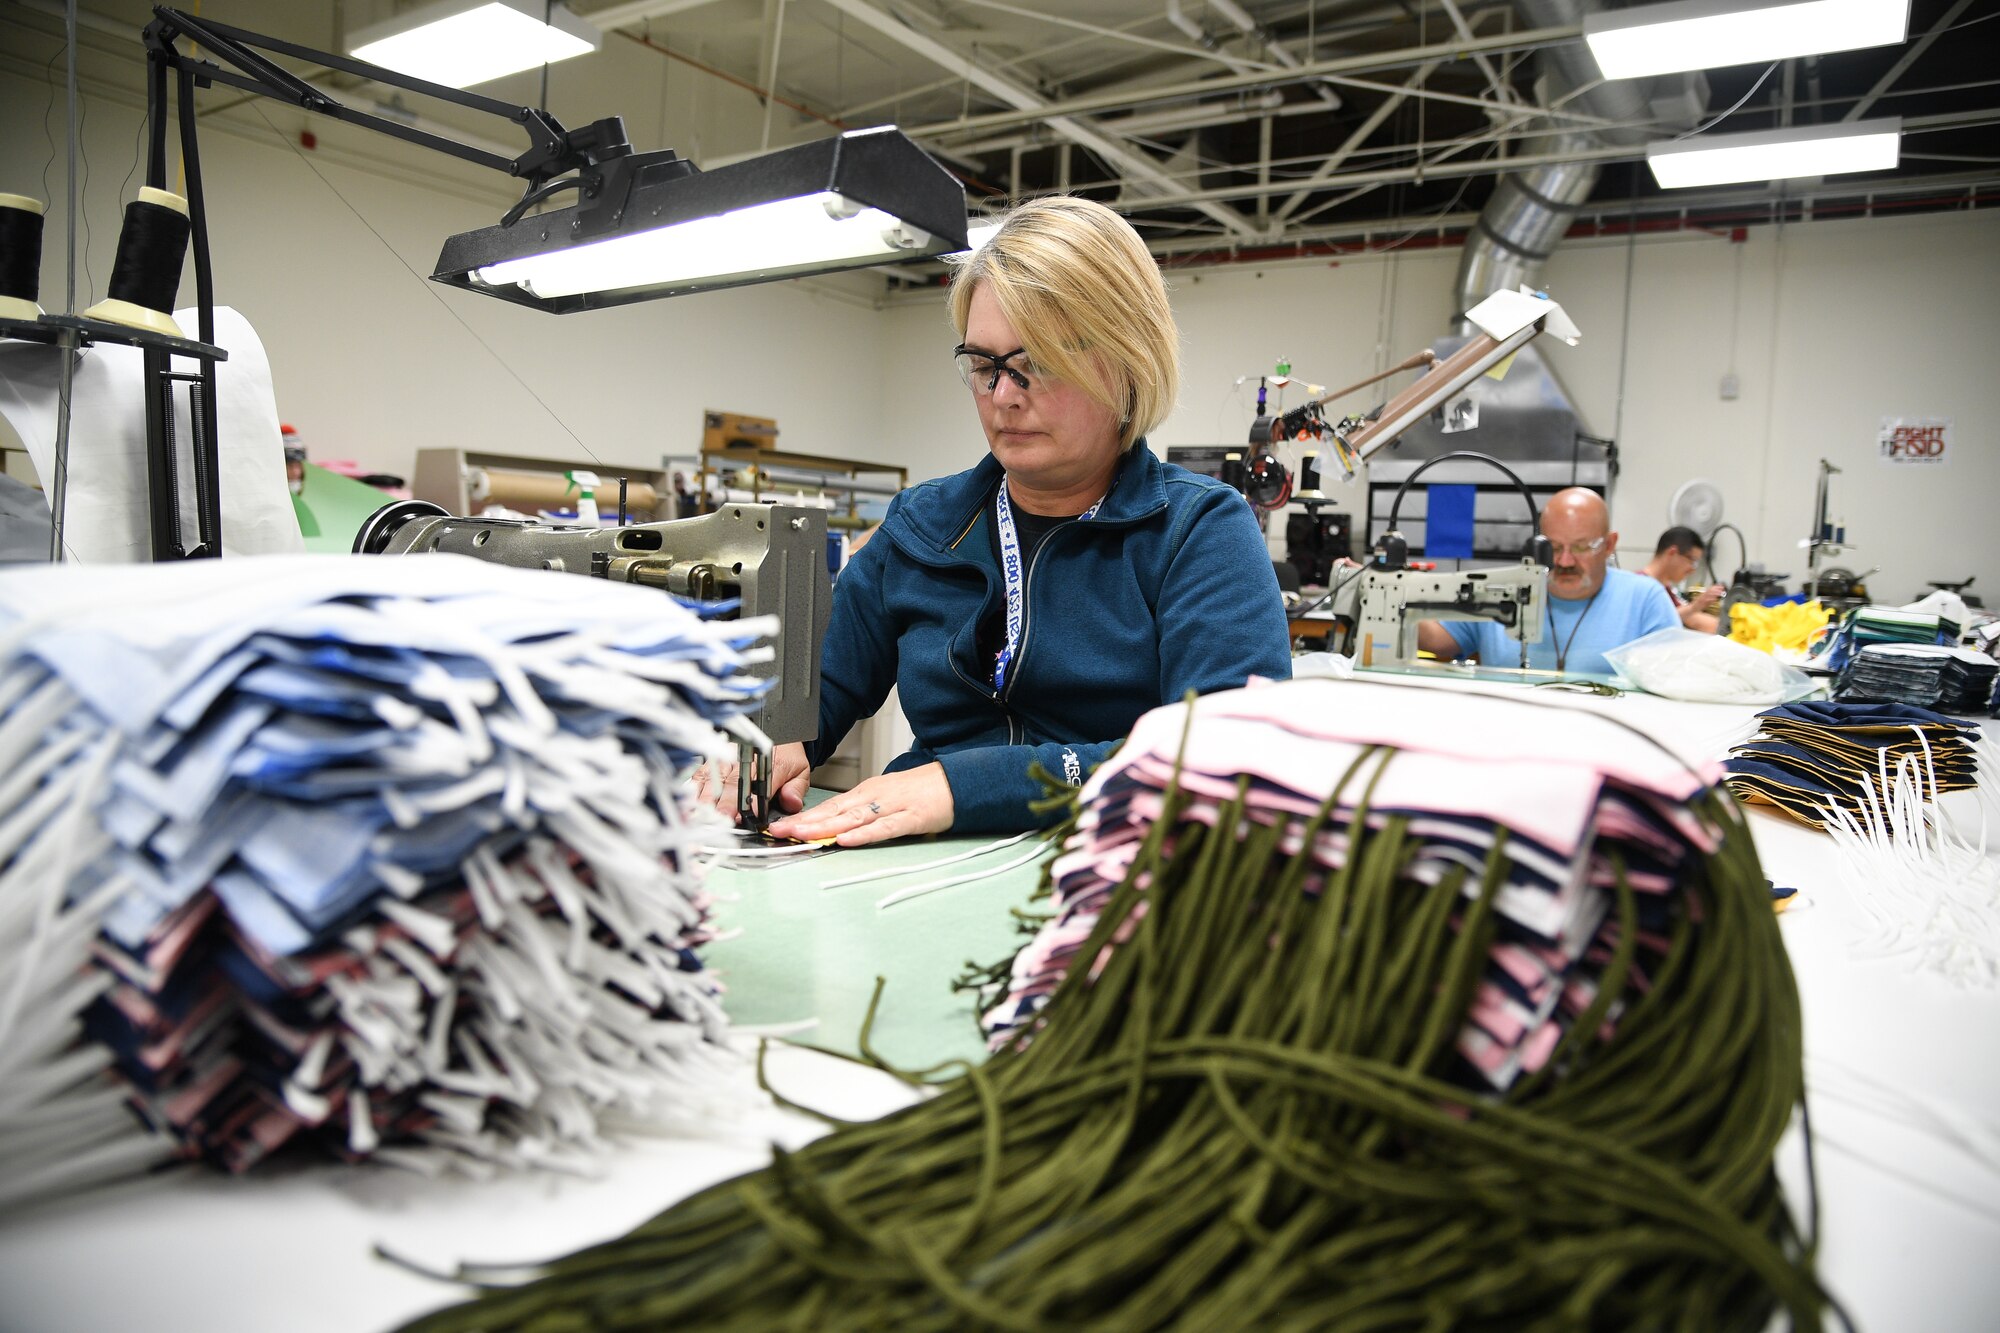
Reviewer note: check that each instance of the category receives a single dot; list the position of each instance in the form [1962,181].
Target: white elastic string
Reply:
[873,875]
[918,890]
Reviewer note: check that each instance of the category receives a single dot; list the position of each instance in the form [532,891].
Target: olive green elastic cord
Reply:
[1245,1106]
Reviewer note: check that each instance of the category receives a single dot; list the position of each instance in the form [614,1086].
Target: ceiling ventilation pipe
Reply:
[1531,210]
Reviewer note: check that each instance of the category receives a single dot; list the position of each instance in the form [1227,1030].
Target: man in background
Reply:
[1592,608]
[1676,556]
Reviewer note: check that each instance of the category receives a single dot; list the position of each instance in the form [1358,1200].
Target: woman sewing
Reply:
[1032,607]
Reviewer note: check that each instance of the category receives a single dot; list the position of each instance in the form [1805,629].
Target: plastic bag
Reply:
[1702,668]
[1322,664]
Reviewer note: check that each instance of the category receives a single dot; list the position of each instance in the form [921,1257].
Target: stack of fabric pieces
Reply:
[383,854]
[1566,793]
[1810,758]
[1364,1004]
[1866,625]
[1951,680]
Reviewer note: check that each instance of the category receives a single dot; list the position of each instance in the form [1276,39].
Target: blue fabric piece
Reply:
[1630,606]
[316,857]
[1448,522]
[1168,588]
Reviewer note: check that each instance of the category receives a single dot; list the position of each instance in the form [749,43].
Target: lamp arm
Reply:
[1300,415]
[552,149]
[1446,378]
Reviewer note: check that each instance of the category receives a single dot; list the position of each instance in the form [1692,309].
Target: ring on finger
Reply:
[874,807]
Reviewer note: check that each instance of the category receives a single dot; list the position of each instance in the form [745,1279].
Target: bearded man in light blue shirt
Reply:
[1592,608]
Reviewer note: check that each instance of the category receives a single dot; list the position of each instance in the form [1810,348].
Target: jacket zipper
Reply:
[1013,727]
[1027,620]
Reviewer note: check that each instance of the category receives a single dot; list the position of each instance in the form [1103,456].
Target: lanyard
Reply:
[1014,577]
[1562,654]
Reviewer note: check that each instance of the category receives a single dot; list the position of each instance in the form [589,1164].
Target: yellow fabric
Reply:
[1788,627]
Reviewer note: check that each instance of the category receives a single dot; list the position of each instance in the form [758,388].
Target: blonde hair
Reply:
[1076,283]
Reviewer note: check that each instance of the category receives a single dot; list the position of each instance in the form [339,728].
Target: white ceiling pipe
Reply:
[1207,43]
[1280,53]
[1187,25]
[1196,117]
[637,11]
[1034,105]
[1144,94]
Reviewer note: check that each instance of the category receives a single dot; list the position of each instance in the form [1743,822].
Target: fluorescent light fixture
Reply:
[462,42]
[809,234]
[1813,150]
[663,228]
[1712,34]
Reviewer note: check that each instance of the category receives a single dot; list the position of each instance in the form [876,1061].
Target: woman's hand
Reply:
[894,805]
[715,784]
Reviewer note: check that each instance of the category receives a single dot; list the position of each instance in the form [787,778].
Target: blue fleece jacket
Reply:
[1167,588]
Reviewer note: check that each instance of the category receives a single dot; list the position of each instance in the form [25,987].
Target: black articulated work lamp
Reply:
[642,225]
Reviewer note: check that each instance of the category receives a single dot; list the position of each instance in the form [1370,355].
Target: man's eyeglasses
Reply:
[981,371]
[1579,550]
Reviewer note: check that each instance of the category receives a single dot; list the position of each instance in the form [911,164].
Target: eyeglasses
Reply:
[981,371]
[1579,550]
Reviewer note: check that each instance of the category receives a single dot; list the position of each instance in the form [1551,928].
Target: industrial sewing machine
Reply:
[1385,601]
[1390,604]
[772,557]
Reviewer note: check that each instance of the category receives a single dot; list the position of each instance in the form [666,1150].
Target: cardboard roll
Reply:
[532,491]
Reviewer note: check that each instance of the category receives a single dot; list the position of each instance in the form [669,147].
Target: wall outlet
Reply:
[1731,386]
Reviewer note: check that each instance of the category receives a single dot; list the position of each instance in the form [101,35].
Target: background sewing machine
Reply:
[1387,606]
[769,557]
[1385,601]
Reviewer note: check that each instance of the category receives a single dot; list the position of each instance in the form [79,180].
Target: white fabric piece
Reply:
[106,515]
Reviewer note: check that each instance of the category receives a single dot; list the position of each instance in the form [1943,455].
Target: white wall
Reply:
[372,361]
[1838,324]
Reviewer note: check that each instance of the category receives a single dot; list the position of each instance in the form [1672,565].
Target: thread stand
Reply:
[73,333]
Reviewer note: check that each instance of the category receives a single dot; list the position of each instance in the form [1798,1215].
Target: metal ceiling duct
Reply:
[1531,210]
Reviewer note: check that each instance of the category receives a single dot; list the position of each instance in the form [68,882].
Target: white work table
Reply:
[1909,1223]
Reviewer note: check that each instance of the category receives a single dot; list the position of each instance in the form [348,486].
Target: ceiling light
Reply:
[1712,34]
[1813,150]
[462,42]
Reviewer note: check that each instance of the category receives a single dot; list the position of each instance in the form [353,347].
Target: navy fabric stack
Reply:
[1948,679]
[1810,757]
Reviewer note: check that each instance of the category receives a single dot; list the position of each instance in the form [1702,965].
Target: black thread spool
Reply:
[20,256]
[152,245]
